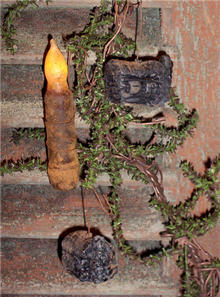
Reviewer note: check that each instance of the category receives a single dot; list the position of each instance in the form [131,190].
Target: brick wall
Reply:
[191,27]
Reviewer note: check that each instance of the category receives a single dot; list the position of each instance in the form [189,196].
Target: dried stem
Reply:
[197,259]
[145,169]
[100,202]
[153,122]
[85,62]
[86,210]
[121,23]
[92,83]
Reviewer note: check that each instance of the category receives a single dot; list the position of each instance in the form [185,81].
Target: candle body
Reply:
[63,164]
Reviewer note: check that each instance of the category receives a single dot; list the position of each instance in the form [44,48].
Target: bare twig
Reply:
[204,289]
[105,52]
[92,83]
[107,202]
[85,210]
[152,122]
[209,281]
[145,169]
[85,62]
[100,202]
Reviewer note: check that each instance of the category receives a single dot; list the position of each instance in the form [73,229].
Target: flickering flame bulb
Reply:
[55,68]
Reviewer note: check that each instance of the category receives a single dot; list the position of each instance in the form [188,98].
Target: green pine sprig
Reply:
[14,11]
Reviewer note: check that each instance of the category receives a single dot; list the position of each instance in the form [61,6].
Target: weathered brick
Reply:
[192,28]
[23,149]
[32,266]
[35,25]
[41,211]
[210,241]
[63,3]
[92,3]
[36,295]
[21,81]
[63,18]
[26,177]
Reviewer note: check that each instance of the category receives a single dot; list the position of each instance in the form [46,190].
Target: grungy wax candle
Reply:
[59,108]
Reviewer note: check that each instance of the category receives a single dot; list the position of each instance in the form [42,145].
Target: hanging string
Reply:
[119,21]
[85,210]
[139,28]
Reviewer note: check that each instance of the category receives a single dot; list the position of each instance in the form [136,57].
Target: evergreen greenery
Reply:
[31,133]
[108,150]
[108,121]
[14,11]
[22,165]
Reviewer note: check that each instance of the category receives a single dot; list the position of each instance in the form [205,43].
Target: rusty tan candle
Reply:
[63,164]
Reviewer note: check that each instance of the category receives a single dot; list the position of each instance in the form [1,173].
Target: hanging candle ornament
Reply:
[63,164]
[140,81]
[88,258]
[146,82]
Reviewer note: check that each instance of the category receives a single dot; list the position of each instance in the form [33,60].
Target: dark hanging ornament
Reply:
[141,81]
[146,82]
[88,258]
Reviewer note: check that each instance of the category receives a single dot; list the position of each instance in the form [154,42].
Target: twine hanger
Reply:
[139,29]
[105,206]
[85,211]
[119,20]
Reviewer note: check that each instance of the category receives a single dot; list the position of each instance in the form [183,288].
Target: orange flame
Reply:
[55,68]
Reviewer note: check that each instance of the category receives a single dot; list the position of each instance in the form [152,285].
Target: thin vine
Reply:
[31,133]
[108,150]
[29,164]
[14,11]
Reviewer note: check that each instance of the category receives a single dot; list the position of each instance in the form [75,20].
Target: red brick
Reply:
[171,118]
[211,241]
[32,266]
[61,295]
[40,211]
[192,28]
[26,147]
[34,26]
[176,186]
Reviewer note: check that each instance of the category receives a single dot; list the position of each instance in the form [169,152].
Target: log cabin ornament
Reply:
[59,108]
[140,82]
[146,82]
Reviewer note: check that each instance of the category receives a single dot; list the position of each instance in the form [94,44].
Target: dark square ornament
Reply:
[146,82]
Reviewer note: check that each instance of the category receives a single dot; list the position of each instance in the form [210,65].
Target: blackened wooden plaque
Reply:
[137,82]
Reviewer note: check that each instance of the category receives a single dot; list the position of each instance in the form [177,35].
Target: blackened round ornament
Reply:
[88,258]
